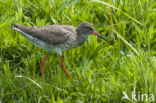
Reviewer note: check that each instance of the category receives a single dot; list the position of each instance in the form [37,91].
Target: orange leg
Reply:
[64,68]
[43,61]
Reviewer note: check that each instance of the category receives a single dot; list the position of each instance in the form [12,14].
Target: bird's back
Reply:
[52,34]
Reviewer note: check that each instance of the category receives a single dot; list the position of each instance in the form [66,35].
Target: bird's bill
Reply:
[99,35]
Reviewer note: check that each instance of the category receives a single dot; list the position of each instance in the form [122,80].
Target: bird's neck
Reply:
[82,38]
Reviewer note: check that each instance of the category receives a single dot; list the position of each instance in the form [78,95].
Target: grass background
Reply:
[100,72]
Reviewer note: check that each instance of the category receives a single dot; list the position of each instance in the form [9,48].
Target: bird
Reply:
[57,38]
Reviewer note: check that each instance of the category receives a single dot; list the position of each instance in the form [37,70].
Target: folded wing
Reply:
[53,34]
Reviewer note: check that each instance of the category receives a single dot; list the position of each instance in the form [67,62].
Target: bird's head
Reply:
[86,29]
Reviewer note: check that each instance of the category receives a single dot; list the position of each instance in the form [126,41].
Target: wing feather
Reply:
[54,34]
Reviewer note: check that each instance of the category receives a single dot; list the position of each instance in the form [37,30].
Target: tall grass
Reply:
[100,72]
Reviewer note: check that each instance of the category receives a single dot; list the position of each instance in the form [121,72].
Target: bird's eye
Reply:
[90,28]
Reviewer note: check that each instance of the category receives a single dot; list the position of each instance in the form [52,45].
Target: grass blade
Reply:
[97,1]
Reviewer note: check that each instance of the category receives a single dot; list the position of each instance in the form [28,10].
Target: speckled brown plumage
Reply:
[54,34]
[57,38]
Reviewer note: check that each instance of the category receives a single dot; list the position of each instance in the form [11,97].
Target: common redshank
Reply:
[57,38]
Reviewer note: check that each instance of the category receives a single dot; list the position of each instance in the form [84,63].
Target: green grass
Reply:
[100,73]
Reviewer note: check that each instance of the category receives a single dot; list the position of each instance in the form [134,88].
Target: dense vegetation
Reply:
[100,72]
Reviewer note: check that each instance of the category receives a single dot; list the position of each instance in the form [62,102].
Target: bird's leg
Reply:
[65,70]
[43,61]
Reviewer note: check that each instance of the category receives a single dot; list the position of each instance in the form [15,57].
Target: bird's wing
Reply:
[54,34]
